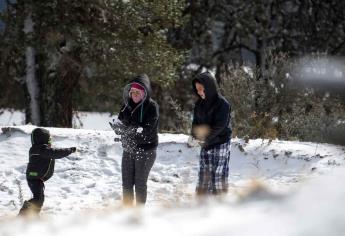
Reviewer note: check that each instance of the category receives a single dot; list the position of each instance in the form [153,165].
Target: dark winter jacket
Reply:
[212,112]
[144,115]
[42,156]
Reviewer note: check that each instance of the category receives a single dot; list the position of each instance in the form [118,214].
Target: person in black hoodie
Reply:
[138,128]
[40,168]
[211,126]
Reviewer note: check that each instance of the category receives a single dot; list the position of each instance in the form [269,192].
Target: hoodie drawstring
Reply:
[141,113]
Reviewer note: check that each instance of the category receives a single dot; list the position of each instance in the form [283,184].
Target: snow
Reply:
[85,120]
[276,188]
[8,117]
[92,120]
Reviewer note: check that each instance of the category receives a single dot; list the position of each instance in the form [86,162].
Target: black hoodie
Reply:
[42,156]
[143,115]
[212,112]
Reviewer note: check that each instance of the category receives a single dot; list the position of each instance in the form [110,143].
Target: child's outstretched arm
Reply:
[55,153]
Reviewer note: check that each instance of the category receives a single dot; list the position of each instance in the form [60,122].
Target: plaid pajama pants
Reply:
[214,170]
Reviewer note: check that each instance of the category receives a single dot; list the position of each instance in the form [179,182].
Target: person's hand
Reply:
[116,126]
[192,142]
[201,132]
[73,149]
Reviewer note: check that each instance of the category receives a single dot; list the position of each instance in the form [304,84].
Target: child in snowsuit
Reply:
[139,136]
[40,168]
[211,125]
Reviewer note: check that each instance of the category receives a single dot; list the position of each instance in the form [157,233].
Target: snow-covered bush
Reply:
[266,104]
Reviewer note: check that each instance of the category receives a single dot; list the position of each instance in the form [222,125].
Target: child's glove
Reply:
[73,149]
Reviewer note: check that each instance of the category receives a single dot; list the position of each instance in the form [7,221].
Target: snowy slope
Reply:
[278,188]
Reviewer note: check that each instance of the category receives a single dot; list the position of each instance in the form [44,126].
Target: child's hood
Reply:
[40,136]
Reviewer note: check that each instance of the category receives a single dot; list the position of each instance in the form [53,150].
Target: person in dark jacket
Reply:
[211,126]
[138,128]
[41,168]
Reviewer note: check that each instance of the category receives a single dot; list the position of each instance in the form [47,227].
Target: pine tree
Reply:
[78,54]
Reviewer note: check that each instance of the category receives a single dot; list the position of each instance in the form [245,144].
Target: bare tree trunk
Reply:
[30,77]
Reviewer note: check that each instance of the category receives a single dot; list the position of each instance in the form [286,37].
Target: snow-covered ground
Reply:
[277,188]
[14,117]
[85,120]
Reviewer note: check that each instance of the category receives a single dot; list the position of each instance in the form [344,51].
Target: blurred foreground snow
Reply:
[278,188]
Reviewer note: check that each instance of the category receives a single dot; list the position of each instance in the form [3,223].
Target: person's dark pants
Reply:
[37,188]
[35,204]
[136,167]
